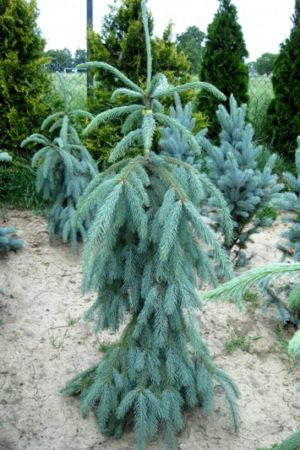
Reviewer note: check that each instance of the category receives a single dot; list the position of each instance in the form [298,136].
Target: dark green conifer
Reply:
[284,110]
[223,63]
[145,255]
[23,80]
[190,43]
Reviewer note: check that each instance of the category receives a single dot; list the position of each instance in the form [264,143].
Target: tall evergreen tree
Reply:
[146,252]
[284,109]
[223,62]
[123,37]
[23,81]
[190,43]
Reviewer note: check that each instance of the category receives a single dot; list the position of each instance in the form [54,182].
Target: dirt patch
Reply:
[44,342]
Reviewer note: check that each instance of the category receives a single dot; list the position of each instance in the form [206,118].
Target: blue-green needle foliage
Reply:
[145,255]
[146,112]
[56,121]
[64,169]
[7,241]
[173,143]
[233,167]
[290,202]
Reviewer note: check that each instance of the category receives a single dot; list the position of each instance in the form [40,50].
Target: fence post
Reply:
[89,25]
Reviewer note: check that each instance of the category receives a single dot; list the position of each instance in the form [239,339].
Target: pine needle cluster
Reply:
[233,167]
[7,241]
[64,169]
[289,202]
[172,143]
[145,255]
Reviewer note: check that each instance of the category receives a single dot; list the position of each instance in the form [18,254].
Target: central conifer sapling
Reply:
[145,255]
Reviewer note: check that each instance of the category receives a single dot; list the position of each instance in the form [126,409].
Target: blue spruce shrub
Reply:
[145,255]
[173,143]
[289,202]
[233,167]
[64,169]
[7,241]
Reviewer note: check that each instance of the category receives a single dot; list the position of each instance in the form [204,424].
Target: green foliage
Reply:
[60,59]
[291,443]
[17,186]
[7,241]
[23,81]
[267,212]
[190,43]
[121,44]
[64,168]
[145,255]
[284,110]
[260,96]
[265,63]
[240,341]
[146,113]
[233,167]
[223,62]
[80,56]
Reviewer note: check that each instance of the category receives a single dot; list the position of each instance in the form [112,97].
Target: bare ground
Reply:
[44,342]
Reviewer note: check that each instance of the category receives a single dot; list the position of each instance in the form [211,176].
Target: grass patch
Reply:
[239,341]
[17,186]
[260,95]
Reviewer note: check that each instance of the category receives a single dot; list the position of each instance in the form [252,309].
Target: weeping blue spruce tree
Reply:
[145,254]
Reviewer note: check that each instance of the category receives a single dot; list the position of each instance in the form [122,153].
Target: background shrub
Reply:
[23,80]
[284,110]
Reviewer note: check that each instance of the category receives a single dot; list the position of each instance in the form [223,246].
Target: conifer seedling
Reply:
[233,167]
[145,255]
[64,169]
[7,241]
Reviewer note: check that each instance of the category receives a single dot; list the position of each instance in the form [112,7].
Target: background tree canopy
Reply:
[265,63]
[190,43]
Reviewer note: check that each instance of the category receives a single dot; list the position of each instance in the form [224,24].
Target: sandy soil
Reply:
[44,342]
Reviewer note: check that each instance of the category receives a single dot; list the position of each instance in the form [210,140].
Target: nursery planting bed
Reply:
[44,342]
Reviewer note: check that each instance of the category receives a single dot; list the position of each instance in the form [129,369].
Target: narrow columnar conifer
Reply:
[283,115]
[145,255]
[223,62]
